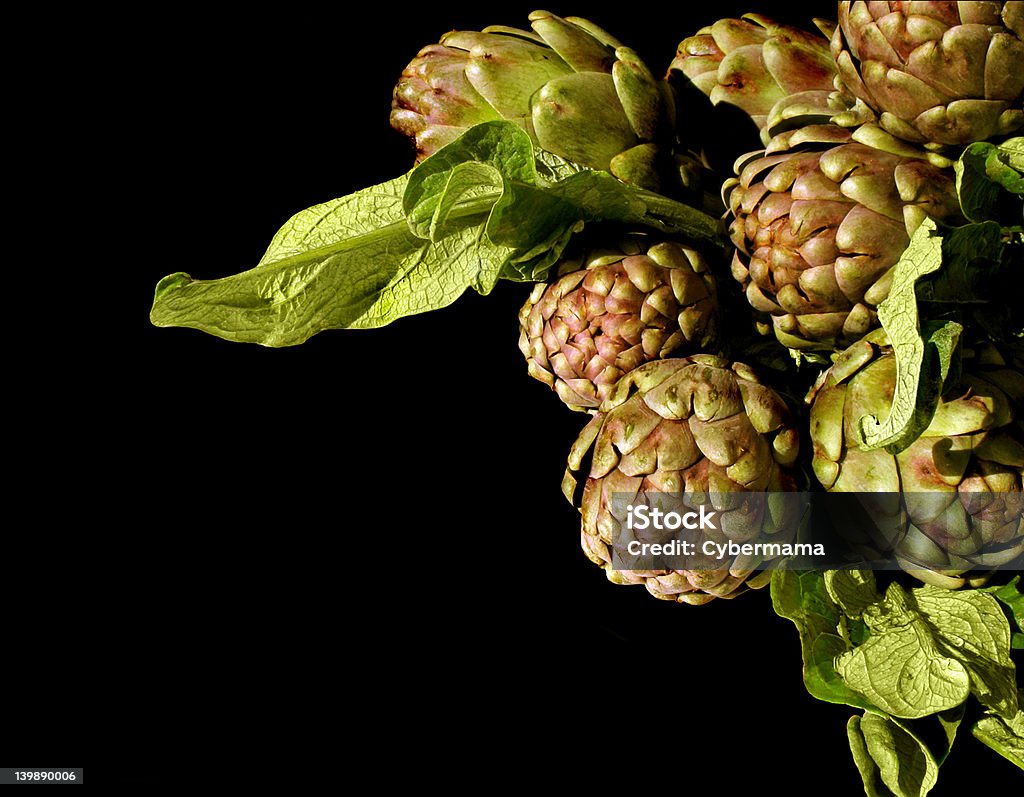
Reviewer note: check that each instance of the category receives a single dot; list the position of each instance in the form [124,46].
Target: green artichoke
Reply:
[695,425]
[753,63]
[574,88]
[939,73]
[952,499]
[614,310]
[819,219]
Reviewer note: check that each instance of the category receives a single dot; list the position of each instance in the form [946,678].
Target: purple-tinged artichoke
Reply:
[614,310]
[575,89]
[951,503]
[819,219]
[937,73]
[754,62]
[695,425]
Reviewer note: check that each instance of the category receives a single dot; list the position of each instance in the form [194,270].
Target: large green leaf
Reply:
[349,263]
[802,597]
[929,649]
[494,164]
[892,756]
[910,659]
[482,207]
[923,357]
[536,196]
[892,761]
[970,626]
[901,668]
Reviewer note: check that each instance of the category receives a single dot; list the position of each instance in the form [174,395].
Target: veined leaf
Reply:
[970,626]
[481,207]
[350,263]
[893,761]
[929,649]
[802,598]
[552,168]
[901,668]
[466,182]
[922,363]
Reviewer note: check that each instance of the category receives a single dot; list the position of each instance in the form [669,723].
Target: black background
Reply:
[350,556]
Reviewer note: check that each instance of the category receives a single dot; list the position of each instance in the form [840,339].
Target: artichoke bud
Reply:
[754,63]
[616,309]
[819,220]
[959,485]
[938,74]
[699,426]
[576,90]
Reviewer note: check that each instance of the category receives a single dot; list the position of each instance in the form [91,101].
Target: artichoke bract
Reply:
[693,425]
[754,62]
[615,310]
[952,499]
[575,89]
[938,73]
[819,219]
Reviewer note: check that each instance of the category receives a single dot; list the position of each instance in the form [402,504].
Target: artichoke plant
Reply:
[938,73]
[862,191]
[953,496]
[615,310]
[574,88]
[754,62]
[819,219]
[694,425]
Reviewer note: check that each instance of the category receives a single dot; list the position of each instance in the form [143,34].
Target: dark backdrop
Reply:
[354,555]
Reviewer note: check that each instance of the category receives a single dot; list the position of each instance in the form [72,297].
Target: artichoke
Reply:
[616,309]
[753,63]
[694,425]
[952,499]
[936,72]
[575,89]
[819,220]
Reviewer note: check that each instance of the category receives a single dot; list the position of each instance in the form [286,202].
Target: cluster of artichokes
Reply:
[573,87]
[860,122]
[815,337]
